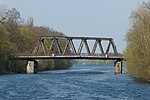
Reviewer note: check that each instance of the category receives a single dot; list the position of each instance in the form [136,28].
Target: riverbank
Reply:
[6,72]
[46,67]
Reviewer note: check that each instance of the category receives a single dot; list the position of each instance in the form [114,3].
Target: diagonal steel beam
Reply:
[52,46]
[72,46]
[55,45]
[108,48]
[43,46]
[80,47]
[86,46]
[100,46]
[94,47]
[66,46]
[113,46]
[37,47]
[58,46]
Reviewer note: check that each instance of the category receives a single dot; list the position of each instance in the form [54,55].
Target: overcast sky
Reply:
[97,18]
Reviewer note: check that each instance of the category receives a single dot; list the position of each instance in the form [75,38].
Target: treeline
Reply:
[93,62]
[137,53]
[19,36]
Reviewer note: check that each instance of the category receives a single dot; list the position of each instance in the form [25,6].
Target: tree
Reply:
[30,22]
[13,16]
[3,11]
[138,43]
[17,37]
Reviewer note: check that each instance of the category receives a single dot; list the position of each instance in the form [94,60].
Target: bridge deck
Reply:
[67,57]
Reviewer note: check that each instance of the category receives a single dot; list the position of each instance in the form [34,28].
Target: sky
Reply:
[92,18]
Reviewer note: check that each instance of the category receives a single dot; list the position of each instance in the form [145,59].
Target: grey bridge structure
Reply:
[64,47]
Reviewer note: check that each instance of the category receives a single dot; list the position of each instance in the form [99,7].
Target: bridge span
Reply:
[31,57]
[64,47]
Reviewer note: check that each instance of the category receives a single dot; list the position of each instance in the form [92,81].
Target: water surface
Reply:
[77,83]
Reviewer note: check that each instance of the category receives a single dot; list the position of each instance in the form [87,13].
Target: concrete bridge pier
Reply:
[32,67]
[118,67]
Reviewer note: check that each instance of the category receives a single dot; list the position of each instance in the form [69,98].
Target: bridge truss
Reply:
[64,47]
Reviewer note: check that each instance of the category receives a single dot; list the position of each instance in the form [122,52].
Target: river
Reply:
[88,82]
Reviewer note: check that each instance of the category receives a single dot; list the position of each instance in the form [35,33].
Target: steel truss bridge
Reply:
[64,47]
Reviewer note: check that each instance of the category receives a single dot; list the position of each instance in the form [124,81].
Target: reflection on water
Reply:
[78,83]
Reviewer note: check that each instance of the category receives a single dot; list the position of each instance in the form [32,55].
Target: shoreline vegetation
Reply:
[19,36]
[93,62]
[137,53]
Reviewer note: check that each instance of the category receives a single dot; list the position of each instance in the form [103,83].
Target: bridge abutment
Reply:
[32,67]
[118,67]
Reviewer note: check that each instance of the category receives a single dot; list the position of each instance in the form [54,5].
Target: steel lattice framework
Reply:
[55,44]
[64,47]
